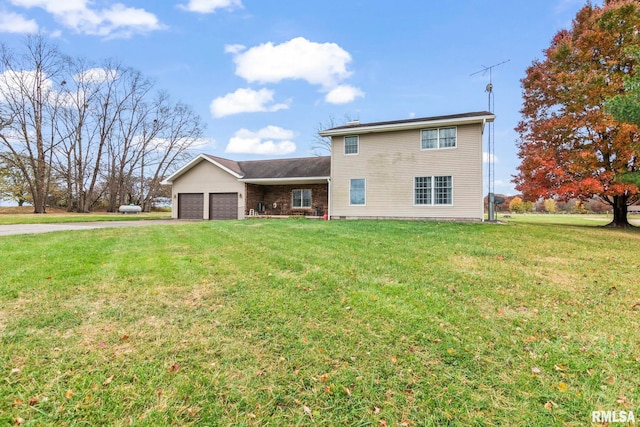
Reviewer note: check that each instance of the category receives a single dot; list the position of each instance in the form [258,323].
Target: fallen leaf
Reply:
[327,389]
[69,394]
[15,371]
[307,411]
[536,370]
[347,391]
[108,380]
[394,359]
[174,368]
[610,380]
[376,409]
[563,387]
[19,421]
[17,402]
[323,378]
[560,368]
[549,405]
[124,337]
[382,423]
[33,401]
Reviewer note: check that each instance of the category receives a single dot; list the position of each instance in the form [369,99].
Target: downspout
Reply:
[329,199]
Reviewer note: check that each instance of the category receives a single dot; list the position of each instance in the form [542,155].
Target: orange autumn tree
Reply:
[570,146]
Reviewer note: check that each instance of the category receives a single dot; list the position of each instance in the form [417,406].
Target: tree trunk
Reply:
[620,213]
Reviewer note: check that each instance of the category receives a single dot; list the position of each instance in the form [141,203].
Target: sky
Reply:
[265,76]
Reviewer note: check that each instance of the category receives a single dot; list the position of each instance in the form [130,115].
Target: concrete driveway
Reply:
[7,230]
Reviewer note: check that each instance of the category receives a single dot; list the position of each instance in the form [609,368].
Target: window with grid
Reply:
[438,138]
[433,190]
[350,145]
[423,190]
[442,190]
[301,199]
[357,188]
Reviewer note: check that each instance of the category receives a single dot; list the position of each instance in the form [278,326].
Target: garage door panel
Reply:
[223,206]
[190,205]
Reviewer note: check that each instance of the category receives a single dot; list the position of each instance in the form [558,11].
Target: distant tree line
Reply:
[517,204]
[81,135]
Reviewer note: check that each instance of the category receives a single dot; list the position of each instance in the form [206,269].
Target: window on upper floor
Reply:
[301,199]
[438,138]
[433,190]
[357,191]
[350,145]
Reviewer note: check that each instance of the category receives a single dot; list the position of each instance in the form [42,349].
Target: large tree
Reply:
[570,145]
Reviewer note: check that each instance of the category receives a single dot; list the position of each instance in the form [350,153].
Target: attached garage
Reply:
[223,206]
[190,205]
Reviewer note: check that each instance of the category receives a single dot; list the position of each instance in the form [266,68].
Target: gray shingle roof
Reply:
[278,168]
[355,125]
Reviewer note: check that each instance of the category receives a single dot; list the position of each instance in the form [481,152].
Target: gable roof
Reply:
[298,170]
[356,127]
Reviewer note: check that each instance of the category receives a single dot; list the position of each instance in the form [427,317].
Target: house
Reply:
[210,187]
[421,168]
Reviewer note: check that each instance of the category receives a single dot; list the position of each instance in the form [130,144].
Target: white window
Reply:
[350,145]
[301,199]
[357,191]
[433,190]
[439,138]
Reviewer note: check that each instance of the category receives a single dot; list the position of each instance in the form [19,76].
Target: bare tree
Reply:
[29,103]
[322,144]
[175,129]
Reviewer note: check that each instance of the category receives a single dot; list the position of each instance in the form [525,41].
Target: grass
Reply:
[320,323]
[24,215]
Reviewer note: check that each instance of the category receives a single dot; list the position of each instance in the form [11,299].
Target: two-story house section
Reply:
[421,168]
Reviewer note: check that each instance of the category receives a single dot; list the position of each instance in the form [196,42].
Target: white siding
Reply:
[207,178]
[389,161]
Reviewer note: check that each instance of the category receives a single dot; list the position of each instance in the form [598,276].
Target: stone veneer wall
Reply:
[281,195]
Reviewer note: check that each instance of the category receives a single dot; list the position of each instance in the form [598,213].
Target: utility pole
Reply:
[490,139]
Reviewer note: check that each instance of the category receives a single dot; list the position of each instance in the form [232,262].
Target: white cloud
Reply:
[116,21]
[14,23]
[12,83]
[271,140]
[343,94]
[96,75]
[323,64]
[245,101]
[210,6]
[486,156]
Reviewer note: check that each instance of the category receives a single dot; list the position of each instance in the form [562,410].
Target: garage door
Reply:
[223,206]
[190,205]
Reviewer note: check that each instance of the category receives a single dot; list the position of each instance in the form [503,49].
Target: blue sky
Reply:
[263,75]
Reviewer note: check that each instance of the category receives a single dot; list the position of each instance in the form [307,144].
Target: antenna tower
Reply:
[490,139]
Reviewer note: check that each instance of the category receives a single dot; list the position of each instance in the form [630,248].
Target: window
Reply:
[433,190]
[439,138]
[301,199]
[350,145]
[357,189]
[423,190]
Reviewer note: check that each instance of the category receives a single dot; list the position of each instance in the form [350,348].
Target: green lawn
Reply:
[296,322]
[78,217]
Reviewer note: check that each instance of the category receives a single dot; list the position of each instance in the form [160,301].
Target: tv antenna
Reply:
[490,138]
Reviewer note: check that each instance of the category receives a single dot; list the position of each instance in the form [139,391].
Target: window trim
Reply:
[438,147]
[433,191]
[302,190]
[357,137]
[364,191]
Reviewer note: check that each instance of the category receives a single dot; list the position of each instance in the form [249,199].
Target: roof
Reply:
[415,123]
[298,170]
